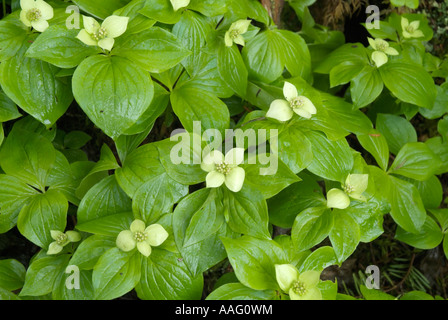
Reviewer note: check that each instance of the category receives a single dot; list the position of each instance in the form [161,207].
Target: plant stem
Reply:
[4,8]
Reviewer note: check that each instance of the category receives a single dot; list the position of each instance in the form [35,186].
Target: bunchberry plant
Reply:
[163,140]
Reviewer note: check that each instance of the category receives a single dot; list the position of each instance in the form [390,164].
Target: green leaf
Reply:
[44,212]
[406,205]
[209,8]
[374,294]
[155,50]
[42,274]
[354,53]
[232,69]
[345,235]
[295,53]
[8,109]
[397,130]
[429,237]
[285,206]
[137,22]
[156,197]
[417,295]
[416,86]
[192,31]
[263,57]
[333,160]
[166,277]
[116,273]
[192,104]
[320,259]
[32,83]
[181,157]
[60,47]
[98,78]
[254,261]
[415,161]
[14,194]
[369,217]
[110,225]
[28,157]
[7,295]
[200,256]
[206,221]
[62,292]
[269,179]
[162,11]
[141,165]
[366,87]
[12,38]
[104,199]
[376,144]
[12,274]
[238,291]
[90,250]
[76,139]
[100,9]
[294,148]
[344,73]
[311,227]
[413,4]
[247,212]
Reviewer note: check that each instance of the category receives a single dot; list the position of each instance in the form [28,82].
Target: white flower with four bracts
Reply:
[283,110]
[62,239]
[178,4]
[141,237]
[224,169]
[235,33]
[299,286]
[35,13]
[382,50]
[411,29]
[354,187]
[103,35]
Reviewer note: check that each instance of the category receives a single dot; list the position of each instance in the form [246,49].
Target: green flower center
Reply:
[33,14]
[140,236]
[234,34]
[297,102]
[410,29]
[382,46]
[100,34]
[61,239]
[348,188]
[223,168]
[299,288]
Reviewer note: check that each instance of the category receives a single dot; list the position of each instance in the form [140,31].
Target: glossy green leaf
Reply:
[254,261]
[112,76]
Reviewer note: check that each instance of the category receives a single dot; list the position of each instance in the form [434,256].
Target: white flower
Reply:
[410,30]
[35,13]
[283,110]
[224,169]
[382,50]
[236,31]
[177,4]
[355,185]
[103,35]
[299,286]
[61,240]
[141,237]
[337,199]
